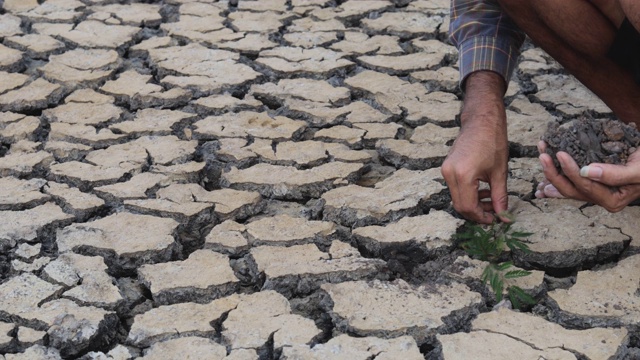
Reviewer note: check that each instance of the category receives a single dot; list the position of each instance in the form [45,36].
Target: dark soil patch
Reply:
[588,140]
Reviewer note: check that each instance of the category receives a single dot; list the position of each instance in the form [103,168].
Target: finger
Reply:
[546,161]
[471,207]
[612,175]
[542,147]
[464,196]
[551,191]
[542,184]
[560,182]
[480,212]
[487,206]
[484,194]
[593,191]
[611,199]
[499,196]
[452,184]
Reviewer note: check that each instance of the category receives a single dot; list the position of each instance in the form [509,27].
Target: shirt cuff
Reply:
[487,53]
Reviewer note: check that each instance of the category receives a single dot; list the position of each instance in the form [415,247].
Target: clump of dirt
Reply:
[590,140]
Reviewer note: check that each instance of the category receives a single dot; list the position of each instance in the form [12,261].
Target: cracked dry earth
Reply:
[260,180]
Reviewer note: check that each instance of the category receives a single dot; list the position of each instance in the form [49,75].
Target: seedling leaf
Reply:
[504,266]
[488,245]
[517,292]
[514,244]
[516,274]
[498,288]
[514,299]
[497,284]
[486,274]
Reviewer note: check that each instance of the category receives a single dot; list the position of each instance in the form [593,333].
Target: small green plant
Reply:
[489,245]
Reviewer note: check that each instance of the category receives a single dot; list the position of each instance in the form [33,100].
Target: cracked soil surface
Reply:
[260,179]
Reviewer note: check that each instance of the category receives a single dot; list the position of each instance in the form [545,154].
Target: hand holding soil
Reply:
[588,140]
[592,160]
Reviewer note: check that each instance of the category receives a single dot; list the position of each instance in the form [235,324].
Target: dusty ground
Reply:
[260,180]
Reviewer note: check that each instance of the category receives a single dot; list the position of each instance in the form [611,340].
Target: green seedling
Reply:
[488,245]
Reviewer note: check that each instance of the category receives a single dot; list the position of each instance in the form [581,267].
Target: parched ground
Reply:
[260,180]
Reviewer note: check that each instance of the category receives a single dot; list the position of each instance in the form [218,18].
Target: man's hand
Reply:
[481,151]
[611,186]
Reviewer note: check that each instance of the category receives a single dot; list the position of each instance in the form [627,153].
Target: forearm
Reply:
[483,101]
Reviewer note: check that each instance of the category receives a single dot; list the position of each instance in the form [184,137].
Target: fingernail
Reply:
[539,194]
[591,172]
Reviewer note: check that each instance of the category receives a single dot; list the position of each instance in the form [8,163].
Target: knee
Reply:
[612,10]
[630,9]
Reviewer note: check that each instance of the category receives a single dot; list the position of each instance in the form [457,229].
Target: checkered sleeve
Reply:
[486,38]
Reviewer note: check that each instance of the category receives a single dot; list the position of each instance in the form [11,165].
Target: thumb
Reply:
[499,197]
[612,175]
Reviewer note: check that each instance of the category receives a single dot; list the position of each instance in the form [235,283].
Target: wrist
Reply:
[485,83]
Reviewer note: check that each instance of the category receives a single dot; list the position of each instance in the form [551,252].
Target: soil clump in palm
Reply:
[590,140]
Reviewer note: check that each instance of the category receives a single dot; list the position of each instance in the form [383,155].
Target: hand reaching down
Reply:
[478,155]
[480,152]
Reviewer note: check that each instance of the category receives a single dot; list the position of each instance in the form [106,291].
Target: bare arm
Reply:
[480,152]
[488,43]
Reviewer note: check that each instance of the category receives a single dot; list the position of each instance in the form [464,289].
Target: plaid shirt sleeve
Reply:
[486,38]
